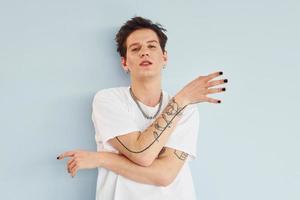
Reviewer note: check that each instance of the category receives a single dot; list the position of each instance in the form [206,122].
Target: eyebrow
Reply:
[136,43]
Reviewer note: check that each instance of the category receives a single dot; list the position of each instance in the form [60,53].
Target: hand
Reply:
[196,90]
[80,160]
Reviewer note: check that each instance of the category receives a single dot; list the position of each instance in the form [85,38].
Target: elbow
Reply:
[165,180]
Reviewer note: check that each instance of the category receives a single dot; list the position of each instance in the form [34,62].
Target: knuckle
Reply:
[201,78]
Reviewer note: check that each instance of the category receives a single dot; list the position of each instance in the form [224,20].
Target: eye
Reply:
[152,46]
[135,49]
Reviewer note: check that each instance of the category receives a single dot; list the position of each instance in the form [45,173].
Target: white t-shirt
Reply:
[115,113]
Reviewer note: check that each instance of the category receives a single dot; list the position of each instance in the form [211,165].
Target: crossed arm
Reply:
[143,157]
[161,172]
[142,148]
[139,160]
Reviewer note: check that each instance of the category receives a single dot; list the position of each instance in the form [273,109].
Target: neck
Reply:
[147,92]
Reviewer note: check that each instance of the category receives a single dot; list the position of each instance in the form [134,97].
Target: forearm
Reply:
[149,143]
[153,174]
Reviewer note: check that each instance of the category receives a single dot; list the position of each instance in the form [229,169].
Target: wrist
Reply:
[181,100]
[100,159]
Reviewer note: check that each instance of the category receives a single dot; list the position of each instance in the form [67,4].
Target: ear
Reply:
[124,64]
[165,57]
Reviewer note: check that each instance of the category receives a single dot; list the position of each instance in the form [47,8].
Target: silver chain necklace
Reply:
[144,114]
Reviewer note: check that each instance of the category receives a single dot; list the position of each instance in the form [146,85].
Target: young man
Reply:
[144,136]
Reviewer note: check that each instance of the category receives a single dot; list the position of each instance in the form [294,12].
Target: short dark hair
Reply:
[137,23]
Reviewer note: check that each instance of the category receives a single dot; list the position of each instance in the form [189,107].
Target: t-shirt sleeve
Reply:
[184,137]
[111,117]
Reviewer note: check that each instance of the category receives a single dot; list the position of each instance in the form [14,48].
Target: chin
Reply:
[149,74]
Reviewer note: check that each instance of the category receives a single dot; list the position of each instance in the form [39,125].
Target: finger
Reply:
[66,154]
[74,170]
[213,75]
[217,82]
[215,90]
[70,164]
[211,100]
[73,167]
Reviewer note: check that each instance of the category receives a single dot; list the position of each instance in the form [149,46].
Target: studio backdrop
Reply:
[55,56]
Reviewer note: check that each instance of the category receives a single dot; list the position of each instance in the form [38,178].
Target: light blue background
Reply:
[55,55]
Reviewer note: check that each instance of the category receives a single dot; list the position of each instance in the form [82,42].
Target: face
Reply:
[144,56]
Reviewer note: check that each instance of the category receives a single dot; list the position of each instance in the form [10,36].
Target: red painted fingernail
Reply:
[219,101]
[220,73]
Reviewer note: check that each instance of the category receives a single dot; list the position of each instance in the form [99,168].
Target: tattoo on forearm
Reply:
[181,155]
[156,135]
[172,110]
[166,120]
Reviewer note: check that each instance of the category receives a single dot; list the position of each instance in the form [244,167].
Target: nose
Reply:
[144,52]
